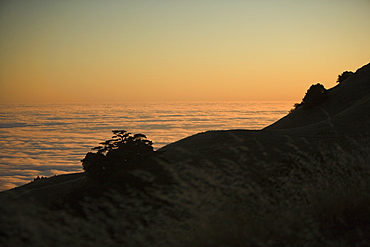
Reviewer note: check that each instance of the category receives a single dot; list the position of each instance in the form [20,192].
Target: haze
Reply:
[95,51]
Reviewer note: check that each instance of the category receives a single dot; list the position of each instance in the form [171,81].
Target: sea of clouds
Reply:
[46,140]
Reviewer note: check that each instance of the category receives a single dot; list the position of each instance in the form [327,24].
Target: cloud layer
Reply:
[49,140]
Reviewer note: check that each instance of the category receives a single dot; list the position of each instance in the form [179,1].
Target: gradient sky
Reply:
[117,50]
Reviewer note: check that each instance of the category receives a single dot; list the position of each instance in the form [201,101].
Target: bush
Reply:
[124,159]
[38,178]
[342,77]
[314,96]
[295,106]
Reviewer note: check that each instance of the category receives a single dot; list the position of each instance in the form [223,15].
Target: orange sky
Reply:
[95,51]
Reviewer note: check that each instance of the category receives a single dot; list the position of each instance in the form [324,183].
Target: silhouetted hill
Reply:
[345,114]
[302,181]
[341,98]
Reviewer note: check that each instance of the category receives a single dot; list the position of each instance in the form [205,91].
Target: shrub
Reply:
[342,77]
[124,159]
[314,96]
[295,106]
[38,178]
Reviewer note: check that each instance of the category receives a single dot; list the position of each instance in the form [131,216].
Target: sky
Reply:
[163,50]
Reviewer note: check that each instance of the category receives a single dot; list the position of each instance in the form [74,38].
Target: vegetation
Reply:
[317,93]
[306,199]
[125,159]
[38,178]
[314,96]
[41,177]
[342,77]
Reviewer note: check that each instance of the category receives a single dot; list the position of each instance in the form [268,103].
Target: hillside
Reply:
[345,114]
[342,98]
[302,181]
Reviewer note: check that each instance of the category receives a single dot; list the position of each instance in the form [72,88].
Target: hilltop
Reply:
[304,180]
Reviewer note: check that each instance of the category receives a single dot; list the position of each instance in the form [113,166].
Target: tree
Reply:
[314,96]
[342,77]
[124,159]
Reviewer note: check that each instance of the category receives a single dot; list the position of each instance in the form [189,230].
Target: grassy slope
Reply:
[48,190]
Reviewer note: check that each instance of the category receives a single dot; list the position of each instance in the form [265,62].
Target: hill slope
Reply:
[345,114]
[342,97]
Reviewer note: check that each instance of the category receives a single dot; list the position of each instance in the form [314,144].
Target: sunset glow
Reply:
[96,51]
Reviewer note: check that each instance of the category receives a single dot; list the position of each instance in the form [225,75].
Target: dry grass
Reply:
[306,199]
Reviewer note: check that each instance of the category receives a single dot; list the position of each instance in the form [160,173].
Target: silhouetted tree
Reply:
[342,77]
[314,96]
[125,159]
